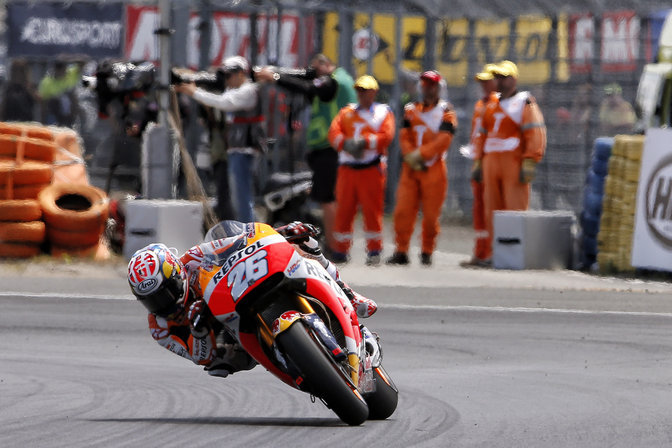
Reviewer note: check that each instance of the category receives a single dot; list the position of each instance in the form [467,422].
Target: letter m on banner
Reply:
[620,41]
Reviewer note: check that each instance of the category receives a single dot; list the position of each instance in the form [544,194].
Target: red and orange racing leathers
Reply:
[430,130]
[513,129]
[361,181]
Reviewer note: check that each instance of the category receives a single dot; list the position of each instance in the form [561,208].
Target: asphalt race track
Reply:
[85,372]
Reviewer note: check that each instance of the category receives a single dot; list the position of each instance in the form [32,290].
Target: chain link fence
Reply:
[567,57]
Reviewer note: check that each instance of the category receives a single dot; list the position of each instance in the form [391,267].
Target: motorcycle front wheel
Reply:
[324,378]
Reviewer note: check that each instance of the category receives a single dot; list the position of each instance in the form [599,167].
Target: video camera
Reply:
[308,73]
[115,80]
[209,81]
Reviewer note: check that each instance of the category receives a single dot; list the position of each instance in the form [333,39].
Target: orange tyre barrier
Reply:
[22,232]
[18,250]
[73,239]
[21,191]
[74,207]
[26,173]
[32,131]
[31,148]
[83,252]
[20,210]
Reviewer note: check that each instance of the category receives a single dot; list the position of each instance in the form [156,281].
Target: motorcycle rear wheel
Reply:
[383,402]
[323,376]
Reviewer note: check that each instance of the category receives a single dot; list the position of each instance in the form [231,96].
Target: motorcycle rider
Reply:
[179,319]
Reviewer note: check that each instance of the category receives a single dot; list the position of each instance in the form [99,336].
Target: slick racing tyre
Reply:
[32,131]
[323,377]
[30,148]
[26,173]
[18,250]
[383,402]
[22,191]
[74,207]
[22,232]
[20,210]
[73,238]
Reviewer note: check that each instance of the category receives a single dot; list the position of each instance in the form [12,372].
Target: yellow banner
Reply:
[491,40]
[378,38]
[562,70]
[531,48]
[453,59]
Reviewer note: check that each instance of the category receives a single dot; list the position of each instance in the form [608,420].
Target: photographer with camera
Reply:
[242,133]
[330,88]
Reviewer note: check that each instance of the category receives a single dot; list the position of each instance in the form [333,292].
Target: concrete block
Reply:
[533,240]
[175,223]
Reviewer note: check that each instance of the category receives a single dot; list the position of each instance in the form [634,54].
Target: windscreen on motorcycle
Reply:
[225,229]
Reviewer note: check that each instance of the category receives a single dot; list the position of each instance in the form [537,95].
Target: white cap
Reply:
[234,63]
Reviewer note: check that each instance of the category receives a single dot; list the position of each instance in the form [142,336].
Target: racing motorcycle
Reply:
[290,315]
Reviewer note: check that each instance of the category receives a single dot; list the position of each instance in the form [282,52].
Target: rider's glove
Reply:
[198,319]
[298,232]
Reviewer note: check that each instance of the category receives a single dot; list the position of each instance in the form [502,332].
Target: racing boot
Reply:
[364,307]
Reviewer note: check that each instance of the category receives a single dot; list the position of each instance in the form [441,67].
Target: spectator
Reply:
[57,92]
[616,115]
[429,126]
[330,90]
[244,133]
[488,85]
[19,95]
[361,134]
[513,142]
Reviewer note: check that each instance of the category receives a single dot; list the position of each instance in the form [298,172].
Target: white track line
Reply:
[398,307]
[402,307]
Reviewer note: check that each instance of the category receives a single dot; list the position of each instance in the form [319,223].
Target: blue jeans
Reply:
[241,184]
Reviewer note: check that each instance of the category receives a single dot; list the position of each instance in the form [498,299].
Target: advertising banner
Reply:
[620,41]
[49,29]
[453,57]
[230,37]
[652,240]
[581,42]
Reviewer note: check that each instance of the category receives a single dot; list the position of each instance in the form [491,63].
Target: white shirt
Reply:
[231,100]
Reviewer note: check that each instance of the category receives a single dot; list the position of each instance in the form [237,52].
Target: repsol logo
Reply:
[235,258]
[659,202]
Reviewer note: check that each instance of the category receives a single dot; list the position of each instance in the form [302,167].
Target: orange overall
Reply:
[429,130]
[478,209]
[361,181]
[513,130]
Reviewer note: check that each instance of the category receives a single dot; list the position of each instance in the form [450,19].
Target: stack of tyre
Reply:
[76,216]
[26,156]
[593,198]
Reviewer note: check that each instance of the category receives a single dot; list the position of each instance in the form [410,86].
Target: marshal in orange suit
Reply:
[361,134]
[429,126]
[514,141]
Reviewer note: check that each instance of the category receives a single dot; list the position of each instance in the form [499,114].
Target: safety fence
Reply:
[565,59]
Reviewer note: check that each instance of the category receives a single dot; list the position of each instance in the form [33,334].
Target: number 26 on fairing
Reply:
[246,273]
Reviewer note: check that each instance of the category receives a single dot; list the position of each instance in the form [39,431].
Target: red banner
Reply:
[620,41]
[581,42]
[230,36]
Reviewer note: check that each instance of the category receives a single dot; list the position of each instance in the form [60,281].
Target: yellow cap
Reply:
[367,82]
[506,68]
[487,73]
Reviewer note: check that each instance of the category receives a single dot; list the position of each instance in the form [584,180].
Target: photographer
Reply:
[330,88]
[242,132]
